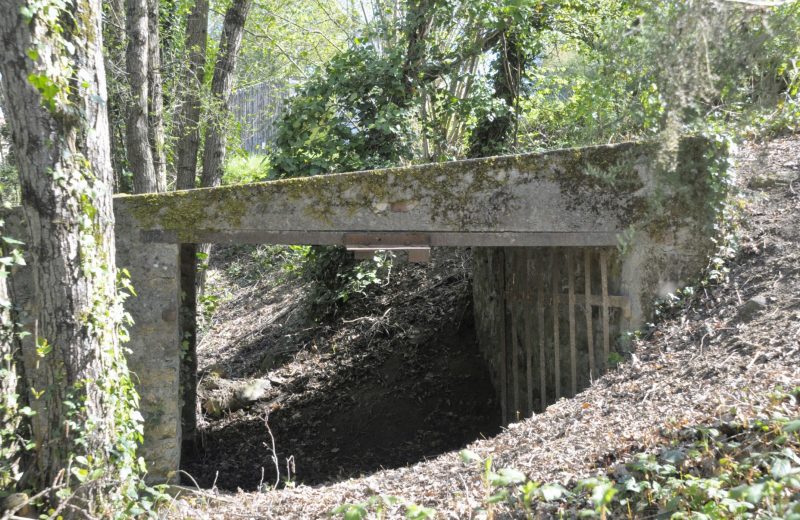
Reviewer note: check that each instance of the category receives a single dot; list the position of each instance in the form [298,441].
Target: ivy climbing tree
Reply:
[85,425]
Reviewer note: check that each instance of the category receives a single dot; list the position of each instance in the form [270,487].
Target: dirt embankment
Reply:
[730,346]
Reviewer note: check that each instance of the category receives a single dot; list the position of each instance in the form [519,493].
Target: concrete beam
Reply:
[574,197]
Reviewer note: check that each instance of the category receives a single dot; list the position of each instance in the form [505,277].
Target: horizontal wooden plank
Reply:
[387,240]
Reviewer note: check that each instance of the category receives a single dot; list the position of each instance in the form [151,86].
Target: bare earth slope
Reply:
[724,349]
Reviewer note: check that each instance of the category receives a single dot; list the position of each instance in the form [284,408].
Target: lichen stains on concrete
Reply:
[620,182]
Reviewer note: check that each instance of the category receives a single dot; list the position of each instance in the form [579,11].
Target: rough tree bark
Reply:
[186,149]
[115,43]
[155,115]
[221,86]
[140,158]
[192,280]
[189,118]
[155,95]
[66,179]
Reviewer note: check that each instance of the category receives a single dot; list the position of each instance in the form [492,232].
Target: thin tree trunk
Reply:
[156,96]
[65,175]
[189,119]
[115,43]
[493,133]
[213,161]
[221,87]
[140,159]
[186,149]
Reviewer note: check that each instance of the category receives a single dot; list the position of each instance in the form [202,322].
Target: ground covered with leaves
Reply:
[702,417]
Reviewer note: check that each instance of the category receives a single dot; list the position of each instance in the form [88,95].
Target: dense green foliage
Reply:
[350,117]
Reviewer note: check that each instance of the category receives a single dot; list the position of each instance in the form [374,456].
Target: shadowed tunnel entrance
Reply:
[387,399]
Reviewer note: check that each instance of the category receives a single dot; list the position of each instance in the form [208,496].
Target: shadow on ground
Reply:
[395,404]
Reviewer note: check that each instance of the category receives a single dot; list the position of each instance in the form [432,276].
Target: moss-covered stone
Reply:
[449,190]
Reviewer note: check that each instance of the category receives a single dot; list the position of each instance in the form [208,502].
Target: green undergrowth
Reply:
[740,466]
[246,168]
[746,464]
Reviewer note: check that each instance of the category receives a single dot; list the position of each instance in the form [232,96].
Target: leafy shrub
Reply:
[244,169]
[352,116]
[338,277]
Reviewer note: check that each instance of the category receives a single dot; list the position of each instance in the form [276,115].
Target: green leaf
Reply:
[469,457]
[551,492]
[781,468]
[751,493]
[673,456]
[498,497]
[792,426]
[506,477]
[351,511]
[415,512]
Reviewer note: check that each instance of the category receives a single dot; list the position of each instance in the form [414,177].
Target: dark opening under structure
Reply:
[384,399]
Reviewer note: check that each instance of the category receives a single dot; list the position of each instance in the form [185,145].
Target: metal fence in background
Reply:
[257,109]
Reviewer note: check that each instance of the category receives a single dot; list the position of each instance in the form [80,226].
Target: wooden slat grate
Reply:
[546,343]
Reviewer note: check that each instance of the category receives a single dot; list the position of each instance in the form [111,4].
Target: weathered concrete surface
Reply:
[565,197]
[154,347]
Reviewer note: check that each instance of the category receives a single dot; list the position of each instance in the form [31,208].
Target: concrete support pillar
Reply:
[155,345]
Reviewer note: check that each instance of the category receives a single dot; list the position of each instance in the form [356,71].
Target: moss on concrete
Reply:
[451,191]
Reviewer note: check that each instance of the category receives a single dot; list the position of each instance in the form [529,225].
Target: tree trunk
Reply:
[189,118]
[221,87]
[492,134]
[140,158]
[115,43]
[80,387]
[213,160]
[156,96]
[186,150]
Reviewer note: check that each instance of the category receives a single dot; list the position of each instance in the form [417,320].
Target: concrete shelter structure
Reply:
[570,249]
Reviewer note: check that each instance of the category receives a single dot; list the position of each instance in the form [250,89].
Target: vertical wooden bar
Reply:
[540,315]
[573,360]
[528,316]
[604,283]
[587,274]
[556,329]
[514,351]
[499,259]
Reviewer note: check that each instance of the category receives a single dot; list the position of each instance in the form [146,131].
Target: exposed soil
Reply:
[378,387]
[728,346]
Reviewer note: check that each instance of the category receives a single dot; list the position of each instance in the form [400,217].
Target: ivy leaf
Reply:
[551,492]
[506,477]
[351,511]
[673,456]
[468,456]
[781,468]
[751,493]
[415,512]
